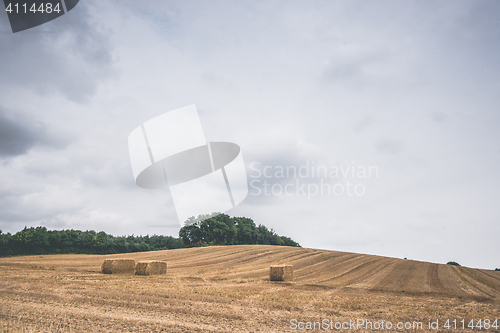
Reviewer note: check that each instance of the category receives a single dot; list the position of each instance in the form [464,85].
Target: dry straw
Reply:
[281,273]
[118,266]
[151,267]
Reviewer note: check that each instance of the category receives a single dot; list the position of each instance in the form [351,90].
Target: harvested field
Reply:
[227,289]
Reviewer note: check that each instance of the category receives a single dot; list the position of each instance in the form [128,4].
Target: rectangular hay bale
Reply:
[118,266]
[151,267]
[281,273]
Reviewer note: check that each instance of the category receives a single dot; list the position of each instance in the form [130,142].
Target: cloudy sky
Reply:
[410,88]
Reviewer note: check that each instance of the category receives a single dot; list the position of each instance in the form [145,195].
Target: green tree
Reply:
[289,242]
[103,242]
[191,233]
[5,242]
[54,238]
[121,245]
[453,263]
[246,231]
[89,240]
[214,231]
[210,229]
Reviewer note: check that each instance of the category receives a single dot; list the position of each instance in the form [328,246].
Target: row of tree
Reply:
[221,229]
[205,230]
[39,240]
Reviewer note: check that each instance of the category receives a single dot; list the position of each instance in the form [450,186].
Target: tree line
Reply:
[216,230]
[39,240]
[221,229]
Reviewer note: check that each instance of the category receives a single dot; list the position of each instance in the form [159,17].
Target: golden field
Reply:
[227,289]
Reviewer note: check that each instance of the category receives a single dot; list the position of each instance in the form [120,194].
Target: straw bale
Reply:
[281,273]
[118,266]
[151,267]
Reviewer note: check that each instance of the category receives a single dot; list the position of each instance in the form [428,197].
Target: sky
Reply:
[408,90]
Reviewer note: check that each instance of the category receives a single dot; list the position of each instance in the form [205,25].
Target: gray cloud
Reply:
[16,139]
[70,55]
[19,133]
[389,146]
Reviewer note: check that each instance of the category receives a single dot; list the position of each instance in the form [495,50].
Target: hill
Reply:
[226,288]
[329,269]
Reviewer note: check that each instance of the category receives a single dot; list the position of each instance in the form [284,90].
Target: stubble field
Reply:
[227,289]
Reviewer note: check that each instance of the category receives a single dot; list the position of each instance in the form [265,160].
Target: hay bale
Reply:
[281,273]
[118,266]
[151,267]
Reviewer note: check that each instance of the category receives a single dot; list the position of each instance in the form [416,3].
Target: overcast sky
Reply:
[411,88]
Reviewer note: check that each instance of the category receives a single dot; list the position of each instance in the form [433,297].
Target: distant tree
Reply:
[453,263]
[268,237]
[246,231]
[164,242]
[54,238]
[211,229]
[289,242]
[89,240]
[71,241]
[23,240]
[218,230]
[121,245]
[102,242]
[191,233]
[5,241]
[497,269]
[221,229]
